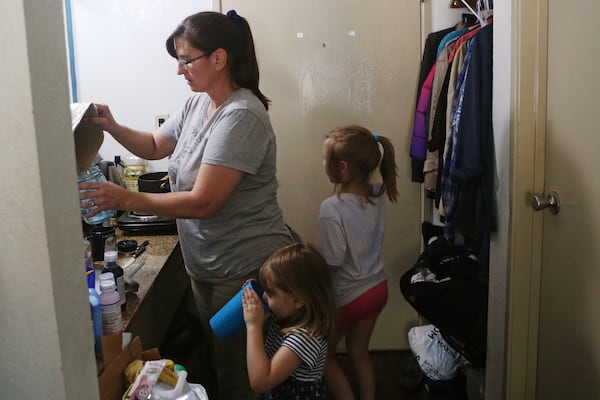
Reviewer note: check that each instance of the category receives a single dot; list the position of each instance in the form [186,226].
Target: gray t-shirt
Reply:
[250,226]
[350,236]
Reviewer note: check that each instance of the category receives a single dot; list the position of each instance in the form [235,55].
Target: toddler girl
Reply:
[350,238]
[287,349]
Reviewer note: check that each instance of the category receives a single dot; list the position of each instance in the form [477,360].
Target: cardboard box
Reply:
[111,381]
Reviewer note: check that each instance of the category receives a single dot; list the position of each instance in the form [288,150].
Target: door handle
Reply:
[552,201]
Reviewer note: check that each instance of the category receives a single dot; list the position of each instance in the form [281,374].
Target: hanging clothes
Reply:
[474,166]
[438,127]
[428,61]
[452,147]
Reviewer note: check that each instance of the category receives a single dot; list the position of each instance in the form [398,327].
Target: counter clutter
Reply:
[162,281]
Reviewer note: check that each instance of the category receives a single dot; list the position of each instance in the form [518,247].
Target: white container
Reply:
[110,306]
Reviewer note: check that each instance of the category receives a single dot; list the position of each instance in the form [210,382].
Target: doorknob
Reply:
[552,201]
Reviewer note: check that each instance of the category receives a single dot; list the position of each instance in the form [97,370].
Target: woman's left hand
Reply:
[254,309]
[105,196]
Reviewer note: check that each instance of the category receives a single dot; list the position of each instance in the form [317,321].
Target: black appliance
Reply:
[137,223]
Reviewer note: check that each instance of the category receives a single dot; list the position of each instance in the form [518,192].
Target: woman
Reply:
[221,170]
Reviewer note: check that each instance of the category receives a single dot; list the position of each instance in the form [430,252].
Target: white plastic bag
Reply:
[437,359]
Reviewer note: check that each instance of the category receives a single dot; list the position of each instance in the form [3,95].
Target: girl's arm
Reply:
[264,373]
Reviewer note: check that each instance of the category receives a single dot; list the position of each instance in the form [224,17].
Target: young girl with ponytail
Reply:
[350,238]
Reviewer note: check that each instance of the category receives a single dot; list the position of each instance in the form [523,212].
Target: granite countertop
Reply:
[158,251]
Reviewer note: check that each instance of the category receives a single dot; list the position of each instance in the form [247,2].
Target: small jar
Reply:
[93,175]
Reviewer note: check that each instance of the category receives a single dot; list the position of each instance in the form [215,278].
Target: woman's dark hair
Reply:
[209,31]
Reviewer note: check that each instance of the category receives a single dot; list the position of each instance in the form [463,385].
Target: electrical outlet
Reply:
[160,119]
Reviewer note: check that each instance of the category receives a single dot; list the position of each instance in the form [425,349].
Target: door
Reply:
[553,330]
[569,328]
[330,63]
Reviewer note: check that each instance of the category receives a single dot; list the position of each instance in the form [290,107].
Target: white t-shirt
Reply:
[250,226]
[350,236]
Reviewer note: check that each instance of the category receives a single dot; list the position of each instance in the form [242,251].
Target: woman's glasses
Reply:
[186,63]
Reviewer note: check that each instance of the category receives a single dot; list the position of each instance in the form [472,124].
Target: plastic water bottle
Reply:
[93,175]
[112,320]
[94,299]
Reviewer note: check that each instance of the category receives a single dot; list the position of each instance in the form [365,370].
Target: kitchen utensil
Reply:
[136,254]
[154,182]
[137,223]
[132,285]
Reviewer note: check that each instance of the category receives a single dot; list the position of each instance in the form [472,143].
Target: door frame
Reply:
[529,47]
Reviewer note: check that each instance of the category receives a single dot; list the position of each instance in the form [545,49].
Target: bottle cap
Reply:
[107,285]
[111,256]
[106,276]
[134,160]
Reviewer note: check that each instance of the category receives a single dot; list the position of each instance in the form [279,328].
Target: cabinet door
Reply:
[331,63]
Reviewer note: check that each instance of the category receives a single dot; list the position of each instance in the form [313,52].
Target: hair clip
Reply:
[235,17]
[376,137]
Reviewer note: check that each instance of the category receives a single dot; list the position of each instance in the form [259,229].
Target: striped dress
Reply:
[306,382]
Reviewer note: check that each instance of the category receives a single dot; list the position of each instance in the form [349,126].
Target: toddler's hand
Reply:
[247,281]
[254,311]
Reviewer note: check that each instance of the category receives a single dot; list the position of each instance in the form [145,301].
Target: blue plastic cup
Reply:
[230,318]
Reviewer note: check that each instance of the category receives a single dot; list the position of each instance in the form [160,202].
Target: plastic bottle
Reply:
[93,174]
[112,320]
[89,268]
[164,391]
[94,299]
[111,257]
[135,167]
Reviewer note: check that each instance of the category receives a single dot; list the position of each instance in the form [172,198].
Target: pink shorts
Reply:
[365,307]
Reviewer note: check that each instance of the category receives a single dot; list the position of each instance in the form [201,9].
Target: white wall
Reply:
[46,340]
[442,16]
[121,60]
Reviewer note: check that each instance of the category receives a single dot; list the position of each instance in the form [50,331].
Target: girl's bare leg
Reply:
[357,343]
[336,379]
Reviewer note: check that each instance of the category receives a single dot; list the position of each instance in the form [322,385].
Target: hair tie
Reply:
[376,137]
[234,16]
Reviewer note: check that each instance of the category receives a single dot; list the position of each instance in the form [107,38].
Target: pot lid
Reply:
[88,137]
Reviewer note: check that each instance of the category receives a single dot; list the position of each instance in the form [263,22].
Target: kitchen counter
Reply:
[162,313]
[163,282]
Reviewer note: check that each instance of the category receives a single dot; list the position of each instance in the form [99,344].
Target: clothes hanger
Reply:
[487,9]
[475,13]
